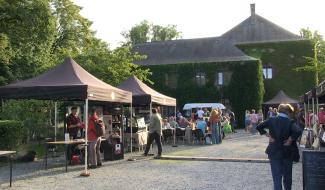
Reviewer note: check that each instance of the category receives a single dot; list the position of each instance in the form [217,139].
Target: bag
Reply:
[208,140]
[316,143]
[99,129]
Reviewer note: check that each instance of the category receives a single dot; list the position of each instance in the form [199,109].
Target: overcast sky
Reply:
[198,18]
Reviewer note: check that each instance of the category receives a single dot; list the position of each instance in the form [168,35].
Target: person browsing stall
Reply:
[202,125]
[155,132]
[94,141]
[73,123]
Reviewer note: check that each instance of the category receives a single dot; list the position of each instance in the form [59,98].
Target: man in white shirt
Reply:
[200,113]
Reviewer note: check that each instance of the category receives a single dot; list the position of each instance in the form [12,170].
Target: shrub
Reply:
[11,134]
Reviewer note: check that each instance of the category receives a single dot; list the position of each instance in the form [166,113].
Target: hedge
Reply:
[11,134]
[245,90]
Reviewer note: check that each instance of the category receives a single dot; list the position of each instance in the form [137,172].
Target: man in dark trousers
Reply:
[282,148]
[155,131]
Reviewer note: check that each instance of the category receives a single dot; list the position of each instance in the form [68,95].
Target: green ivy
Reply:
[284,57]
[245,90]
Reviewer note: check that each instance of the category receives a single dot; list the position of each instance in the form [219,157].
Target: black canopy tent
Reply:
[279,98]
[143,95]
[68,81]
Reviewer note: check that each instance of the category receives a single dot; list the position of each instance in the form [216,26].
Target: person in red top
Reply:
[94,142]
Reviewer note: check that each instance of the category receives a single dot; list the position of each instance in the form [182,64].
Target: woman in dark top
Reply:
[283,133]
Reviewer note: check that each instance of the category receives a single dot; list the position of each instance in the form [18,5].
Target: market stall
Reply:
[67,82]
[144,98]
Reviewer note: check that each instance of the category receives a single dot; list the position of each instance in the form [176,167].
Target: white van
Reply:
[188,107]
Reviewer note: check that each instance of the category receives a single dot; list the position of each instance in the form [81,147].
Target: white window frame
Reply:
[268,72]
[200,79]
[221,78]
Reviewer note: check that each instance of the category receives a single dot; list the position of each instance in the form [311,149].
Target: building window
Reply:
[220,78]
[200,79]
[171,80]
[223,78]
[267,72]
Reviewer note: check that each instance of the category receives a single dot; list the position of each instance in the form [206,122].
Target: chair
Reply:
[167,135]
[180,134]
[198,136]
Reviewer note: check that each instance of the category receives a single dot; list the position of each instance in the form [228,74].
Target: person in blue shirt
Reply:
[282,149]
[201,124]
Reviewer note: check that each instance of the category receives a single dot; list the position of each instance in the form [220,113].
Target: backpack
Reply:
[99,129]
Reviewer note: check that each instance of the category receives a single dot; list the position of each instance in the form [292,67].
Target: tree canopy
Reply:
[316,63]
[37,35]
[148,32]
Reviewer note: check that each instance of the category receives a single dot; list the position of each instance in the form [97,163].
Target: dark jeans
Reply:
[154,136]
[281,168]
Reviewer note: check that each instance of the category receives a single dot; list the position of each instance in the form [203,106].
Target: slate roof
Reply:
[200,50]
[256,29]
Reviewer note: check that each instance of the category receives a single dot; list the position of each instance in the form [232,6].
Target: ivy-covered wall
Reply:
[283,58]
[245,90]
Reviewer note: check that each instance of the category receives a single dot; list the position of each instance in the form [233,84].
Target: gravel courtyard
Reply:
[147,173]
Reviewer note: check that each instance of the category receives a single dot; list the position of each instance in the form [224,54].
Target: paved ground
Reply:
[146,173]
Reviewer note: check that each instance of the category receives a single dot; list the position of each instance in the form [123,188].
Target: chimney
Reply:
[253,9]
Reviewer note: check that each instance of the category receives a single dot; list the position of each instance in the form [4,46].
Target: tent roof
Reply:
[68,81]
[200,50]
[143,94]
[281,98]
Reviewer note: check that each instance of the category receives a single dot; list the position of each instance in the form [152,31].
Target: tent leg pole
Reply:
[307,116]
[151,151]
[86,173]
[55,119]
[131,114]
[313,106]
[305,108]
[174,136]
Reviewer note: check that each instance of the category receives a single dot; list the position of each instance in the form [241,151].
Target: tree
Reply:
[146,32]
[36,35]
[29,28]
[316,63]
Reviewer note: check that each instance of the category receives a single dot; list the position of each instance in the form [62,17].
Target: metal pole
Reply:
[307,115]
[131,129]
[305,108]
[86,173]
[131,114]
[313,105]
[151,151]
[174,138]
[55,119]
